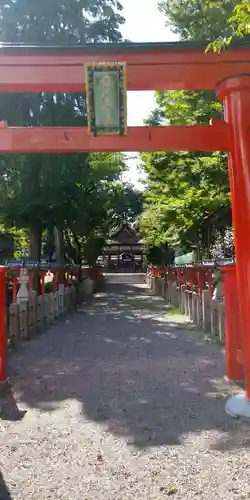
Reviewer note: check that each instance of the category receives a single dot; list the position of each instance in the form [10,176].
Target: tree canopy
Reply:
[60,22]
[187,200]
[217,21]
[198,20]
[238,25]
[73,191]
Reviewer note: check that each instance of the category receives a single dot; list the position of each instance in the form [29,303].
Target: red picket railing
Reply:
[65,275]
[3,327]
[198,277]
[9,282]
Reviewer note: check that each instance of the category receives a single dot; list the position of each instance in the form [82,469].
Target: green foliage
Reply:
[92,248]
[198,20]
[188,107]
[60,22]
[240,19]
[160,255]
[218,21]
[238,25]
[20,241]
[106,207]
[19,236]
[127,203]
[185,190]
[68,191]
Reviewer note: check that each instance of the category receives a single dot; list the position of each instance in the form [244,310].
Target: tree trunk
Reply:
[50,242]
[59,251]
[59,246]
[73,246]
[79,249]
[198,251]
[35,243]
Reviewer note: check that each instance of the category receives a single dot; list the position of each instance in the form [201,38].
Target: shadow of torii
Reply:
[4,492]
[134,370]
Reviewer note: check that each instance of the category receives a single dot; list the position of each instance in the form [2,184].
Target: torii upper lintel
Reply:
[150,66]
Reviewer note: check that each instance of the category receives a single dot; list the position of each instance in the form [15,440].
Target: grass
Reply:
[173,311]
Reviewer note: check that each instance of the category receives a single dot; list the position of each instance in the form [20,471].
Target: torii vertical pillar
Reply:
[234,92]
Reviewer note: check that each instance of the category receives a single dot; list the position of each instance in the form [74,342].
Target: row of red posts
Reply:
[192,277]
[200,277]
[10,276]
[62,275]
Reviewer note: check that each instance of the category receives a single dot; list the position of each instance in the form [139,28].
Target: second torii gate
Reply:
[169,66]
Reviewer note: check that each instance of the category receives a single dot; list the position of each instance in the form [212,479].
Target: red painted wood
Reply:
[233,333]
[3,328]
[149,69]
[235,95]
[69,140]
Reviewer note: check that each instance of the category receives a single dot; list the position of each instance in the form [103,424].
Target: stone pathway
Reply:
[121,402]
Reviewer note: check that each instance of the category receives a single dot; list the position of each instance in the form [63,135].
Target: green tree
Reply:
[43,190]
[217,21]
[185,190]
[160,255]
[127,203]
[201,20]
[88,227]
[60,22]
[237,25]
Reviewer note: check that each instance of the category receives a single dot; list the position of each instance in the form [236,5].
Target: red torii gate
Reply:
[169,66]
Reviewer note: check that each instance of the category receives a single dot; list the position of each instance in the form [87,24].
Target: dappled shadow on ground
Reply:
[4,492]
[9,409]
[142,377]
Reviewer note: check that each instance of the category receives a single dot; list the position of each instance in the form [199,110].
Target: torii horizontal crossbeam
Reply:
[23,140]
[152,66]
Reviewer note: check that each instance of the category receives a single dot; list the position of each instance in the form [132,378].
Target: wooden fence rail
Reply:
[191,291]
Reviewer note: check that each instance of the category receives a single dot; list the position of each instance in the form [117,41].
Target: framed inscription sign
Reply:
[106,98]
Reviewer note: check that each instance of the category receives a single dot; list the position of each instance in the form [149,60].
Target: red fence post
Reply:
[43,283]
[209,275]
[185,273]
[200,280]
[192,277]
[233,333]
[234,92]
[14,288]
[55,281]
[31,275]
[3,329]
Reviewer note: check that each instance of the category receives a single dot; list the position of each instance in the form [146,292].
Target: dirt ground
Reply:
[122,401]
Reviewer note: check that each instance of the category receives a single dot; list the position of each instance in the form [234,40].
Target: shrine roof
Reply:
[11,48]
[124,234]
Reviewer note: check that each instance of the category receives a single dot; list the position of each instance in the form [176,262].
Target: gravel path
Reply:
[121,402]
